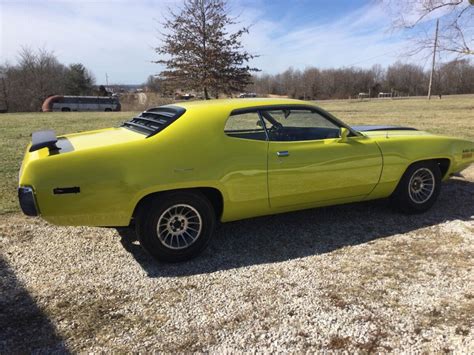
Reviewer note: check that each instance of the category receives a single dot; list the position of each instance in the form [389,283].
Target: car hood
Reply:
[382,128]
[389,131]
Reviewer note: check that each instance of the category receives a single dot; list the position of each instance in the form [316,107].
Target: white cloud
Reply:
[117,37]
[360,38]
[113,37]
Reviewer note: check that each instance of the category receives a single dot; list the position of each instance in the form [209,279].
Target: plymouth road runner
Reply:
[173,171]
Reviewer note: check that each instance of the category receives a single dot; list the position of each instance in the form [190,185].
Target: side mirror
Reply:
[343,134]
[259,124]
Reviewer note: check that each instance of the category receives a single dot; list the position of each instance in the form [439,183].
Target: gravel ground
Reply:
[357,277]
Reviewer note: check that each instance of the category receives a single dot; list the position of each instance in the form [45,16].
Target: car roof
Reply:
[233,104]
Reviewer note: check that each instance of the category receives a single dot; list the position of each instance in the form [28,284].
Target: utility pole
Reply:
[434,60]
[106,80]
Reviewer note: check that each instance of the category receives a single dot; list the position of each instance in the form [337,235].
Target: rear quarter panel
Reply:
[192,152]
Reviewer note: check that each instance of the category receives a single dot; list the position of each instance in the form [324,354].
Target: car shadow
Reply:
[311,232]
[24,327]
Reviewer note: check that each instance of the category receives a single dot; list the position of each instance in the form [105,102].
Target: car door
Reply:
[308,162]
[243,165]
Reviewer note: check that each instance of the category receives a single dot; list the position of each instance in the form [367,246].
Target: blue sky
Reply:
[117,36]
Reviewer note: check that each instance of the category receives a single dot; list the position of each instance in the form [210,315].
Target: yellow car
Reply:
[175,170]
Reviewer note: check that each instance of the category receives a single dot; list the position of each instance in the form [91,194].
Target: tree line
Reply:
[399,79]
[38,74]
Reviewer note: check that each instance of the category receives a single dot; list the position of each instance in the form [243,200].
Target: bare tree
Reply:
[456,32]
[3,90]
[200,53]
[455,77]
[37,75]
[407,79]
[152,84]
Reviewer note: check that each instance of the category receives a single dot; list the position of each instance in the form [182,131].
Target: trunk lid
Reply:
[52,145]
[99,138]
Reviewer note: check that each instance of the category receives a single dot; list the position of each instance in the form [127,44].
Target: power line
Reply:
[377,56]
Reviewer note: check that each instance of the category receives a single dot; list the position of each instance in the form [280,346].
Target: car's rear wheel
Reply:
[418,188]
[175,226]
[66,109]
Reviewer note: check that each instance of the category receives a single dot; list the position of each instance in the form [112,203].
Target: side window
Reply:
[299,125]
[246,126]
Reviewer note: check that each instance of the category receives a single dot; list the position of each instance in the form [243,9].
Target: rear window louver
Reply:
[153,121]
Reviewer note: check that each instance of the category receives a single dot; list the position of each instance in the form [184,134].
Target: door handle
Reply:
[283,153]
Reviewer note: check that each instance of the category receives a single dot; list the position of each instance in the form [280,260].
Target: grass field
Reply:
[451,116]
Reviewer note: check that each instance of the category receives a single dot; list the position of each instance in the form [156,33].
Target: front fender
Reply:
[401,152]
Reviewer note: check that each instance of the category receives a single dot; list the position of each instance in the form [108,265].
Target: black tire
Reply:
[108,110]
[169,245]
[414,194]
[66,109]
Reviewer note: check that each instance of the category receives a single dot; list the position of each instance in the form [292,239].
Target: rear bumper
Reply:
[27,199]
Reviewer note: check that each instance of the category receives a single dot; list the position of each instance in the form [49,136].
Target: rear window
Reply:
[154,120]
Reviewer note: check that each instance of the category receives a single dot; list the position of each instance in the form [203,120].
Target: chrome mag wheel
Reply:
[179,226]
[421,186]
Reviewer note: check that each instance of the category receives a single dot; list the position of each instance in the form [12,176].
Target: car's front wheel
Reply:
[418,188]
[175,226]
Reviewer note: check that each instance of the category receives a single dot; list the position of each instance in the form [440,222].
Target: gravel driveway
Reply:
[355,277]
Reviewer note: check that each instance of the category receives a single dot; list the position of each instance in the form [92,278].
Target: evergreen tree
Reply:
[78,81]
